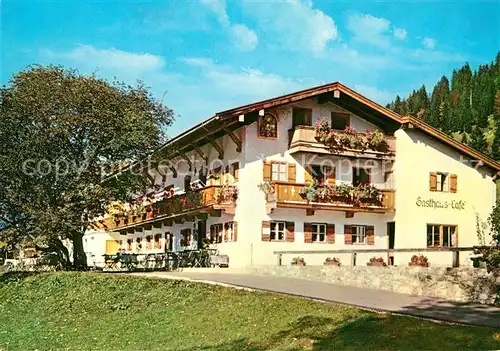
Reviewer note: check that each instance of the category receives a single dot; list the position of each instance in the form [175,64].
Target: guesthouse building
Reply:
[318,173]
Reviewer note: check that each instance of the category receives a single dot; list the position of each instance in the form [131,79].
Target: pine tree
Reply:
[439,110]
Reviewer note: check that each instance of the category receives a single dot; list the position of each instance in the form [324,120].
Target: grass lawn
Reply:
[84,311]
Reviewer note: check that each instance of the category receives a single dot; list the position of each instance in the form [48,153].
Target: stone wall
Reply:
[465,284]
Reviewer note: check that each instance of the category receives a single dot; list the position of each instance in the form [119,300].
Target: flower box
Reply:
[376,262]
[332,262]
[298,261]
[422,264]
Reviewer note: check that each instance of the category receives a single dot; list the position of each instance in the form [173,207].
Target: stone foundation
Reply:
[464,284]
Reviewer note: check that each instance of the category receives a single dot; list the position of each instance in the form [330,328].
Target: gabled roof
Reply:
[223,121]
[373,106]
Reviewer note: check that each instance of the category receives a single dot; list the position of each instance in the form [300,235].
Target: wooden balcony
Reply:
[288,195]
[209,200]
[303,139]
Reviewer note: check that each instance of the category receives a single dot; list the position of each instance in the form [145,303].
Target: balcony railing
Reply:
[289,195]
[303,139]
[212,197]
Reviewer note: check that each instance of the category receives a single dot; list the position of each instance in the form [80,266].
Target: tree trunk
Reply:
[79,256]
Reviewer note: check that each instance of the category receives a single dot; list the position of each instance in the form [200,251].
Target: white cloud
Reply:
[380,96]
[244,38]
[400,33]
[429,43]
[90,57]
[369,29]
[294,24]
[218,7]
[241,85]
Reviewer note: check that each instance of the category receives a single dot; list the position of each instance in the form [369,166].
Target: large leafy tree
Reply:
[61,135]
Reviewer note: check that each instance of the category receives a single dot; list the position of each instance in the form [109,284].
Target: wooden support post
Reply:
[353,259]
[218,148]
[202,155]
[234,138]
[174,171]
[456,259]
[279,257]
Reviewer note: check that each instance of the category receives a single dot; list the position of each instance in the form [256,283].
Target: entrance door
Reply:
[391,232]
[202,232]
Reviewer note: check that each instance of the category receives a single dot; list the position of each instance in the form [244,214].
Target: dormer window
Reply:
[268,126]
[302,117]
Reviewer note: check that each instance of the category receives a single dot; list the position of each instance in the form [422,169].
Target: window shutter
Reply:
[433,181]
[307,175]
[370,234]
[266,231]
[290,232]
[347,234]
[308,233]
[236,170]
[330,233]
[235,231]
[226,227]
[453,183]
[292,172]
[330,175]
[267,171]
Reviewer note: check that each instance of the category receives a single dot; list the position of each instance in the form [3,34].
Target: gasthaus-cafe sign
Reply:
[431,203]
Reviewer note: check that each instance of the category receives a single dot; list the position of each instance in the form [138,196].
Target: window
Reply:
[129,244]
[138,244]
[441,235]
[278,231]
[442,182]
[186,237]
[216,233]
[278,171]
[187,183]
[268,126]
[358,234]
[149,242]
[318,232]
[339,120]
[236,171]
[229,231]
[360,176]
[302,117]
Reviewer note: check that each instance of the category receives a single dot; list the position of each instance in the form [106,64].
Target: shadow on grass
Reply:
[12,277]
[452,311]
[368,332]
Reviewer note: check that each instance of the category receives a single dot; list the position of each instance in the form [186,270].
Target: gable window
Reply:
[339,120]
[318,232]
[302,117]
[358,234]
[278,231]
[360,176]
[268,126]
[443,182]
[441,235]
[278,171]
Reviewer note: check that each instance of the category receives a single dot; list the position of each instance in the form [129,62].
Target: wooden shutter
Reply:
[236,170]
[330,233]
[266,231]
[453,183]
[347,234]
[267,171]
[292,172]
[433,181]
[370,234]
[235,231]
[308,175]
[226,227]
[290,232]
[308,236]
[330,175]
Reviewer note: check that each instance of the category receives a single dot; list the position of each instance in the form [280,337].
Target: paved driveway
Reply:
[429,307]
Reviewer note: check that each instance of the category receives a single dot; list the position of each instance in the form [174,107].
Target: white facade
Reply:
[417,155]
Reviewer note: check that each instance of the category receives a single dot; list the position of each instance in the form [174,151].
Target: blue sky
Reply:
[206,56]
